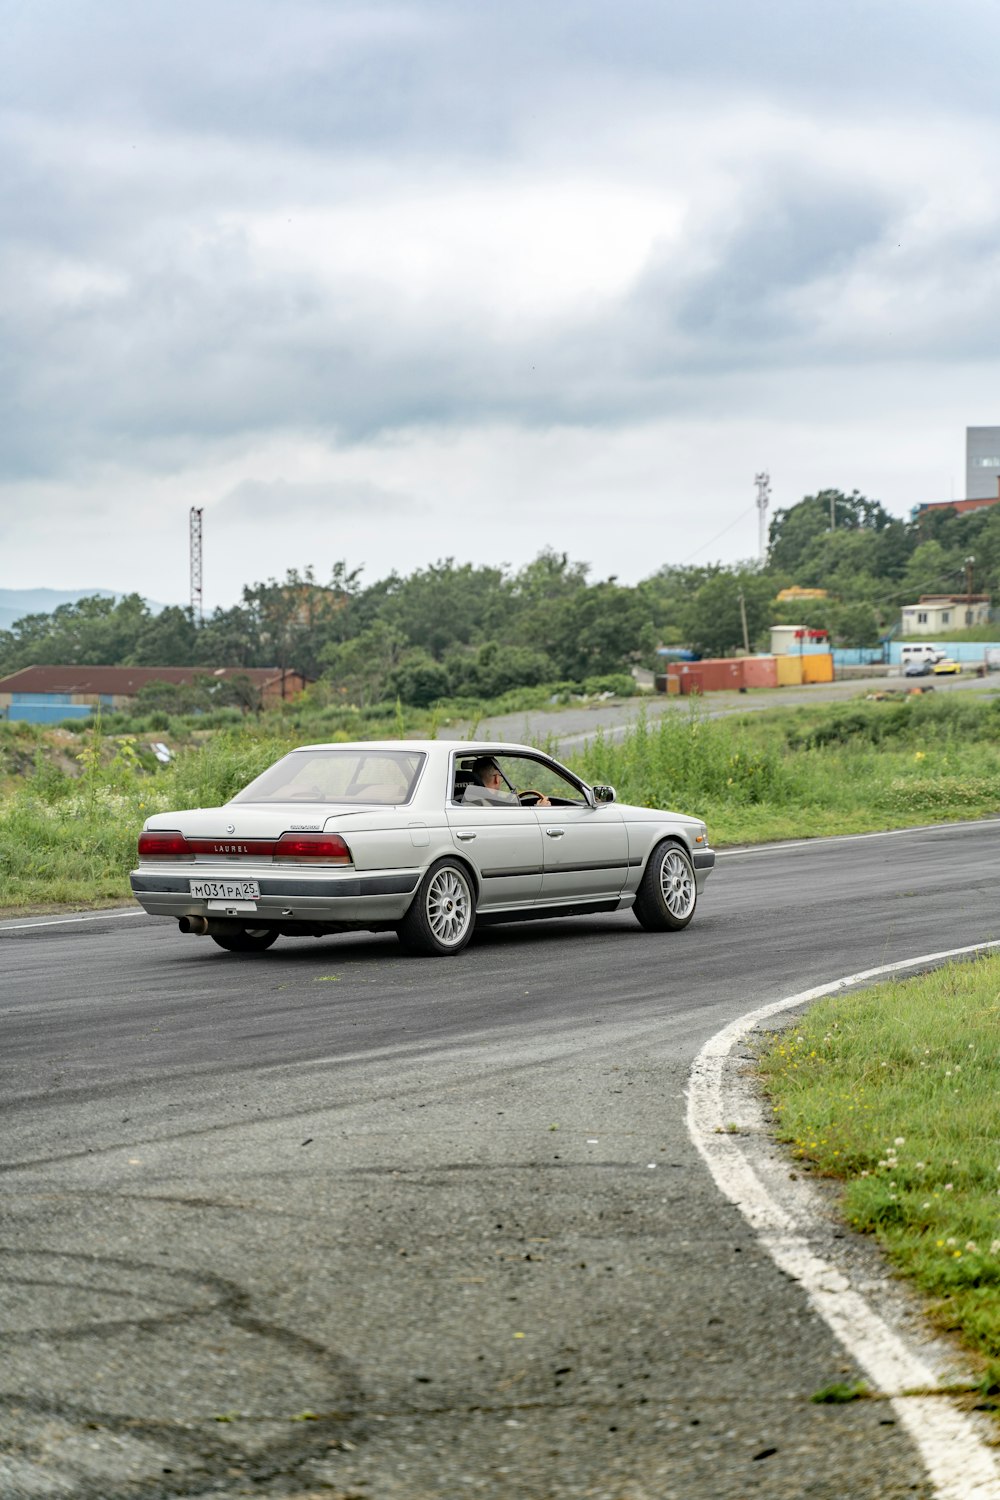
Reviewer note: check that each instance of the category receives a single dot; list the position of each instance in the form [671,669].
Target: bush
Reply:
[621,684]
[419,680]
[686,760]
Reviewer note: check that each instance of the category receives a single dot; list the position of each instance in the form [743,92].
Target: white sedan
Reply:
[421,837]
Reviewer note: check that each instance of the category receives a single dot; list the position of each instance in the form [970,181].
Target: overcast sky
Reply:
[396,282]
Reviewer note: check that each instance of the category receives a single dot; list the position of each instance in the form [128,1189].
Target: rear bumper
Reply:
[318,899]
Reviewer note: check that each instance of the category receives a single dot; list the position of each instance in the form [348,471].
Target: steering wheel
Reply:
[530,791]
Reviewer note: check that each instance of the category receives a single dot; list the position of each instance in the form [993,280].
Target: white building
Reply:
[935,614]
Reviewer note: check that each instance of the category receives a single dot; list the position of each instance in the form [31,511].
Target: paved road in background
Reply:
[570,727]
[329,1220]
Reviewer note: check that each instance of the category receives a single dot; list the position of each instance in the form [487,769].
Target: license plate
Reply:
[226,890]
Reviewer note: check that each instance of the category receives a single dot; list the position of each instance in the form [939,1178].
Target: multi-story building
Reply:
[982,462]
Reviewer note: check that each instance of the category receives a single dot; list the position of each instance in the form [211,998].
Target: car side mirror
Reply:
[603,793]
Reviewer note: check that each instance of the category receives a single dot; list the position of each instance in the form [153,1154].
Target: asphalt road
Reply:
[331,1221]
[571,726]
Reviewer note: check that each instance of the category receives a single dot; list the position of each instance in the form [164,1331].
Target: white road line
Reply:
[852,838]
[958,1462]
[95,916]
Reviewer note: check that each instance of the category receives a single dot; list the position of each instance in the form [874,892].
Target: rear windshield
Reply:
[386,776]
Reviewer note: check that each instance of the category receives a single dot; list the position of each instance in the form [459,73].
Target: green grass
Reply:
[894,1092]
[845,768]
[70,811]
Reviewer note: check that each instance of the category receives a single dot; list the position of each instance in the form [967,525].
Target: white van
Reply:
[923,651]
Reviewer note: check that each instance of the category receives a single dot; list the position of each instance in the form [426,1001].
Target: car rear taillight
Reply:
[305,848]
[165,843]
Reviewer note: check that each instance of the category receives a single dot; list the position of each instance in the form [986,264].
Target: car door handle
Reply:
[465,837]
[555,833]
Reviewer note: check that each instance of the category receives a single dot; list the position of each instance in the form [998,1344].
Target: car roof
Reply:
[430,747]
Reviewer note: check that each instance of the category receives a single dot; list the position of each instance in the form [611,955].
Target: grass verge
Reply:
[893,1091]
[68,821]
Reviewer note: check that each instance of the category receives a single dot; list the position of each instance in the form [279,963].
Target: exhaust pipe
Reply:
[197,925]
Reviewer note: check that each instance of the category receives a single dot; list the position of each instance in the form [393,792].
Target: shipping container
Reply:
[817,668]
[789,670]
[759,671]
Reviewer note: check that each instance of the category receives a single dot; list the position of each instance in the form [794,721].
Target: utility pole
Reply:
[970,563]
[195,536]
[763,483]
[743,617]
[833,512]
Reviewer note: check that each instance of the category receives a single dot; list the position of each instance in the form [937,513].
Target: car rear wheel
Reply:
[443,912]
[246,939]
[668,892]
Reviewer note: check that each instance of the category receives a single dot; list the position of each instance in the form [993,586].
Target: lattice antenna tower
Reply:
[195,530]
[763,483]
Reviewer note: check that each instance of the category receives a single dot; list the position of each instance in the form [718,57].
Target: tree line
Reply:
[459,630]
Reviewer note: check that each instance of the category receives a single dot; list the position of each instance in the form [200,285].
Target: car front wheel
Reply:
[245,939]
[667,893]
[443,912]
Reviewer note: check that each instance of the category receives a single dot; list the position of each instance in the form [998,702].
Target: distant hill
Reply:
[16,603]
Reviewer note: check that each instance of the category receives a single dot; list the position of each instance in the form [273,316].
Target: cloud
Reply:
[208,295]
[345,243]
[270,501]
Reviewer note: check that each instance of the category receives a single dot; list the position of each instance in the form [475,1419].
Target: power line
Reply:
[725,530]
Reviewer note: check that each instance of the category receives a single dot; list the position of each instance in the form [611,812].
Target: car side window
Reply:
[528,775]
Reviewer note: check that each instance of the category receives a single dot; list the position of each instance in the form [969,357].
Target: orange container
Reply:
[817,666]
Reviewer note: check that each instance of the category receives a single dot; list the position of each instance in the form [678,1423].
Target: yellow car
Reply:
[942,668]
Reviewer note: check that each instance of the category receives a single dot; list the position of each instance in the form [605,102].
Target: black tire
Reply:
[443,912]
[245,939]
[668,892]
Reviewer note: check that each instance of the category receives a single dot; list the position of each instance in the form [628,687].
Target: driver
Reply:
[489,787]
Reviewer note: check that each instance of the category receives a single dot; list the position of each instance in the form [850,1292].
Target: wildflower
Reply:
[948,1187]
[926,1205]
[920,1166]
[995,1247]
[950,1241]
[900,1140]
[971,1246]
